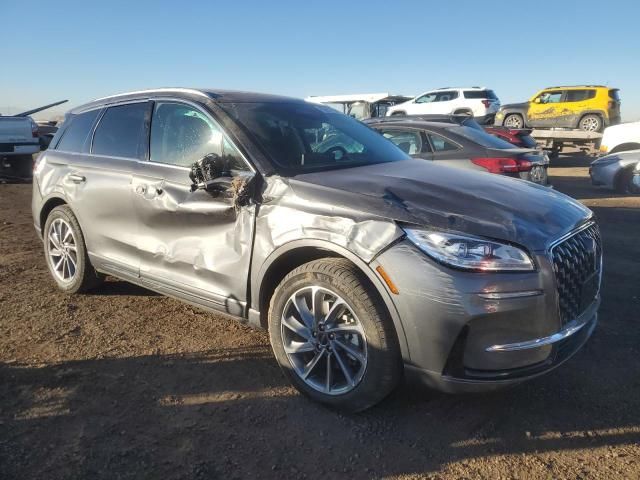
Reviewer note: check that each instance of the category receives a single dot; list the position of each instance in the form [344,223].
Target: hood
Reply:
[507,106]
[414,191]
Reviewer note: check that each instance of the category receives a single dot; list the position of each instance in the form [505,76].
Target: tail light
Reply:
[486,103]
[502,165]
[34,129]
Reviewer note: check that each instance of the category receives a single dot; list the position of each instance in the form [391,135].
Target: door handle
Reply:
[77,178]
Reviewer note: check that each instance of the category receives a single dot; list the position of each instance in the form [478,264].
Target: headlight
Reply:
[469,252]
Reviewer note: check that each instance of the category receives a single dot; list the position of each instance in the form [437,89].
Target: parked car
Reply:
[585,107]
[620,138]
[20,138]
[464,146]
[361,106]
[18,142]
[360,261]
[518,137]
[480,102]
[616,171]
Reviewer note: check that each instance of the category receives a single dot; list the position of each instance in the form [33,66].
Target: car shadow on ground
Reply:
[222,413]
[115,287]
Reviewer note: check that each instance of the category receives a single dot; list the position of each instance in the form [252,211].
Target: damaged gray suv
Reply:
[363,264]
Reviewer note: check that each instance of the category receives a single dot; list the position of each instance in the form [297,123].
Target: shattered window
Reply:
[182,135]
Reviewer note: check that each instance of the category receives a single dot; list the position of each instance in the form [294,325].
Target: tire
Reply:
[372,359]
[590,123]
[513,120]
[62,223]
[624,182]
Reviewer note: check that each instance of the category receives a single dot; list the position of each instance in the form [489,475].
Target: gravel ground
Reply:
[123,383]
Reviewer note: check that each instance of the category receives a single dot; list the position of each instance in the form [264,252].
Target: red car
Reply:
[520,137]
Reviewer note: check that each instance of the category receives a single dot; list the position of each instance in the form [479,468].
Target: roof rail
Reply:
[577,86]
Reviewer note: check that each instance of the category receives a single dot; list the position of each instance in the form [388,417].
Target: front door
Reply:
[192,243]
[545,109]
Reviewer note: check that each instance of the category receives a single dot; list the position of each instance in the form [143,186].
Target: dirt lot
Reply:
[123,383]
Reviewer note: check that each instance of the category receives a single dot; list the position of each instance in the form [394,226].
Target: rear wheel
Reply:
[590,123]
[513,120]
[66,252]
[333,337]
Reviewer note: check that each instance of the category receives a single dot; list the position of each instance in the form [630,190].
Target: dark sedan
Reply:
[464,146]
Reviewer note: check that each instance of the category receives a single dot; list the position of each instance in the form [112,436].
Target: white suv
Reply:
[481,102]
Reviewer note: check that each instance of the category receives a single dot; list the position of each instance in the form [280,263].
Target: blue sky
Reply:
[83,50]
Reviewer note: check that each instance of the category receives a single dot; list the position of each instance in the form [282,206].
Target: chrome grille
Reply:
[577,263]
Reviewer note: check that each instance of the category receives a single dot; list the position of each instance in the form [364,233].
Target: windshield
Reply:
[481,138]
[301,137]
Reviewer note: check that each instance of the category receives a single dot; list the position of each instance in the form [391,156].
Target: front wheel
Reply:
[513,121]
[333,337]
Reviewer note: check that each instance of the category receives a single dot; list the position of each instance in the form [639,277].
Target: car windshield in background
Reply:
[481,138]
[302,137]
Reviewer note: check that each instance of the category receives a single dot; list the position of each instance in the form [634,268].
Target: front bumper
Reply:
[471,331]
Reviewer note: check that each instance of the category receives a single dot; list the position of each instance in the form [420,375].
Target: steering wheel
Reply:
[338,152]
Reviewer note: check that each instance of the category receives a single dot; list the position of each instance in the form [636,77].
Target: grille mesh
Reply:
[576,263]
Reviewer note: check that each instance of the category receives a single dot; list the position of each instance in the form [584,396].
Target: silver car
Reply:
[363,263]
[616,171]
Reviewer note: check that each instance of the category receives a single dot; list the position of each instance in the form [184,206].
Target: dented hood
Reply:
[426,194]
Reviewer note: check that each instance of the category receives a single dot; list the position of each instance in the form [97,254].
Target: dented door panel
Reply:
[193,241]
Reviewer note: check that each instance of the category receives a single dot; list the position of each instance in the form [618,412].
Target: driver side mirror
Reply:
[537,100]
[212,174]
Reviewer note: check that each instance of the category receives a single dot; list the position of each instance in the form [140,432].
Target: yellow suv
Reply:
[586,107]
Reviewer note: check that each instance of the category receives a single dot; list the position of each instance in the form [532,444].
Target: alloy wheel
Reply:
[324,340]
[590,124]
[62,250]
[513,121]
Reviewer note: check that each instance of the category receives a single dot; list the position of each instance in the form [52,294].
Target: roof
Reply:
[458,88]
[356,97]
[216,95]
[413,123]
[580,86]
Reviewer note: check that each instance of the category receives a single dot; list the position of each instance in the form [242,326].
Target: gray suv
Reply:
[363,263]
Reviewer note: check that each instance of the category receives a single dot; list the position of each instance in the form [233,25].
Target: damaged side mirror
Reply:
[212,174]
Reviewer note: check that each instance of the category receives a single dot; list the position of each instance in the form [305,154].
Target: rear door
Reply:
[99,184]
[445,102]
[573,103]
[192,243]
[445,150]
